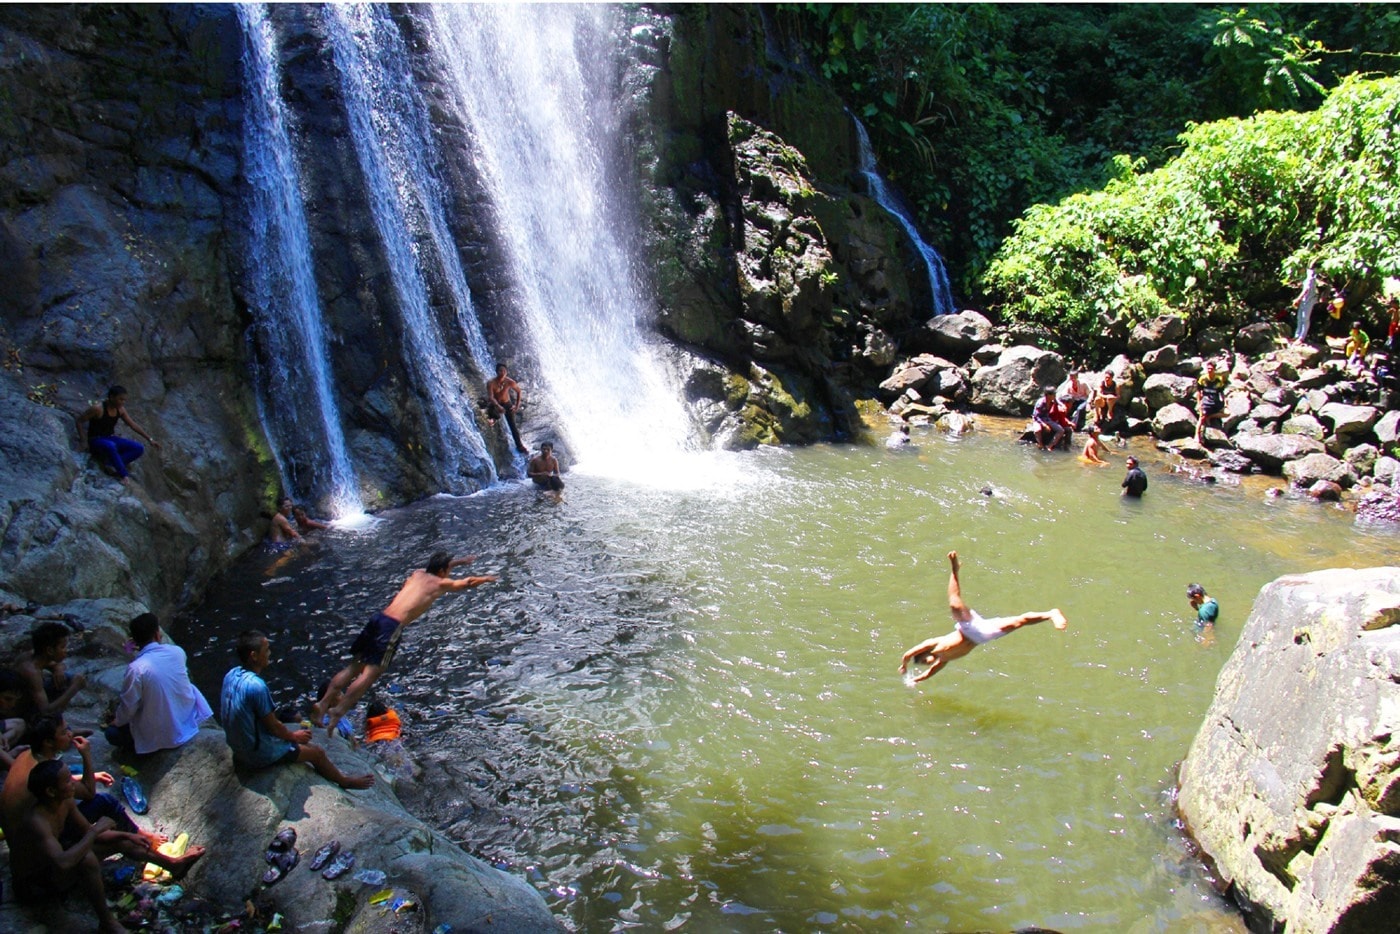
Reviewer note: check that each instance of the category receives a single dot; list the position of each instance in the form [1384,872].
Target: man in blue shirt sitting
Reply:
[251,726]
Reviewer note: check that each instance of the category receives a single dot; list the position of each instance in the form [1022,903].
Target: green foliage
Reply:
[977,111]
[1222,228]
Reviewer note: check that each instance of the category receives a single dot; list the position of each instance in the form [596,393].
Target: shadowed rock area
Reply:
[1292,786]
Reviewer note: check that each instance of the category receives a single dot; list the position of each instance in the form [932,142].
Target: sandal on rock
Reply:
[135,797]
[281,843]
[324,855]
[342,864]
[283,862]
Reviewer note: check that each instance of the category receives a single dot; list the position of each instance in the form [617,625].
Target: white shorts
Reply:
[978,630]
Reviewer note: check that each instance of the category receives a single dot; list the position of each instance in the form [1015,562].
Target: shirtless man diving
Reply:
[374,648]
[970,630]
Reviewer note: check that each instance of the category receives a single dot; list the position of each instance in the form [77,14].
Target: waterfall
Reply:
[296,399]
[393,144]
[532,85]
[880,191]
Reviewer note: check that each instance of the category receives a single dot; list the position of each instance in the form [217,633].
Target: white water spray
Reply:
[296,399]
[541,120]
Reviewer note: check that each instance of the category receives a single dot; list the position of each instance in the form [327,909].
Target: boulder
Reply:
[1162,389]
[1211,341]
[1160,360]
[1306,471]
[1312,378]
[1325,491]
[1233,461]
[1379,504]
[1304,425]
[1160,331]
[1237,408]
[915,373]
[1362,459]
[1387,427]
[1349,421]
[1386,469]
[1259,337]
[1267,412]
[1292,785]
[1013,384]
[1271,452]
[957,335]
[1280,395]
[1187,447]
[1174,421]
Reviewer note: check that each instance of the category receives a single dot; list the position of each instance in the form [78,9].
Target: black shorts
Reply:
[378,641]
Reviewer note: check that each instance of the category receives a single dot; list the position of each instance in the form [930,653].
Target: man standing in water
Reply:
[503,397]
[1207,611]
[374,648]
[1134,481]
[969,631]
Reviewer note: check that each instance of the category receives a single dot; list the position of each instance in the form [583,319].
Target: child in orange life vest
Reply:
[381,724]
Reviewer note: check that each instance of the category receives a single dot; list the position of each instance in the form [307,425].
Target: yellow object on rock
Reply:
[172,848]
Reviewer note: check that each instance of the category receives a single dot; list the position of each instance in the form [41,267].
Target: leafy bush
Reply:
[1218,233]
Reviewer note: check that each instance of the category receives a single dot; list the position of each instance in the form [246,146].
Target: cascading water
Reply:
[879,190]
[389,130]
[529,81]
[296,399]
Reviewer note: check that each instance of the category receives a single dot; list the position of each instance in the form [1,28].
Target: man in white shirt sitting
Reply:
[159,708]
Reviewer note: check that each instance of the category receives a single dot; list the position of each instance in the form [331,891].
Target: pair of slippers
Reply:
[282,855]
[337,863]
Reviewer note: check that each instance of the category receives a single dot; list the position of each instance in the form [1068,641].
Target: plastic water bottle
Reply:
[369,877]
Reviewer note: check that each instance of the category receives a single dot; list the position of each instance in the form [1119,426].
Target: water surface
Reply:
[679,708]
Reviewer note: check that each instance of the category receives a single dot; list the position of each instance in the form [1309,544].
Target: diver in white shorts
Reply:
[970,630]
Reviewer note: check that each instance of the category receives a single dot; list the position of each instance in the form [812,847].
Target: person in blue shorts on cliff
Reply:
[969,631]
[374,648]
[97,431]
[1207,611]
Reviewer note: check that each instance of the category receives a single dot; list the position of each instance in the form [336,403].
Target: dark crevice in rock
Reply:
[1334,781]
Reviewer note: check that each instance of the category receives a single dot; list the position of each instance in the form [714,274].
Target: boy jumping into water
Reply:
[970,630]
[374,648]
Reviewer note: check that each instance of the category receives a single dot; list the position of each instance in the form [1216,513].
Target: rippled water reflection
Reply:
[679,708]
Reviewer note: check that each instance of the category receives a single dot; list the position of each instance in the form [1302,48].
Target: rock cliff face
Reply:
[119,154]
[1292,786]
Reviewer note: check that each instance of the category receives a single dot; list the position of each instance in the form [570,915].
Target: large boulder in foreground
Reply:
[1292,785]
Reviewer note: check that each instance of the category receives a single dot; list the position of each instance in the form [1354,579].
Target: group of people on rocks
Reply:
[56,822]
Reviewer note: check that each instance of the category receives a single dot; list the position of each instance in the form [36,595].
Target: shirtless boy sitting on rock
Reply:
[374,648]
[970,630]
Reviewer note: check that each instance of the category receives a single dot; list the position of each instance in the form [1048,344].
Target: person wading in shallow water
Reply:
[969,631]
[374,648]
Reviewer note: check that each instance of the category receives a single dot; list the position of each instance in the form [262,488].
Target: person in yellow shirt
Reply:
[1358,345]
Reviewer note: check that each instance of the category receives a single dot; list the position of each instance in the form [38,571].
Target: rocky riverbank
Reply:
[1292,785]
[196,790]
[1291,410]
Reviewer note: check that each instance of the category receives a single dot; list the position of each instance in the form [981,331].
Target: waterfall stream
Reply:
[389,132]
[880,190]
[532,85]
[294,361]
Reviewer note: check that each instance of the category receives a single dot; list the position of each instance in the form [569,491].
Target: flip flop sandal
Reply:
[135,797]
[282,863]
[342,864]
[285,839]
[324,855]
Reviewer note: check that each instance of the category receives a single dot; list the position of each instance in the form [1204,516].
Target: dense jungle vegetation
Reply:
[1083,163]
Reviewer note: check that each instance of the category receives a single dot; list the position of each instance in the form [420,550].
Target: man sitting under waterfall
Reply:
[503,398]
[969,631]
[374,648]
[544,470]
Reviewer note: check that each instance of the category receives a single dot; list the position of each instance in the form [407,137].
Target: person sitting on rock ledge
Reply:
[251,726]
[503,399]
[1357,346]
[48,689]
[969,631]
[1105,401]
[374,648]
[49,738]
[97,431]
[1048,418]
[158,707]
[544,470]
[1074,396]
[51,846]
